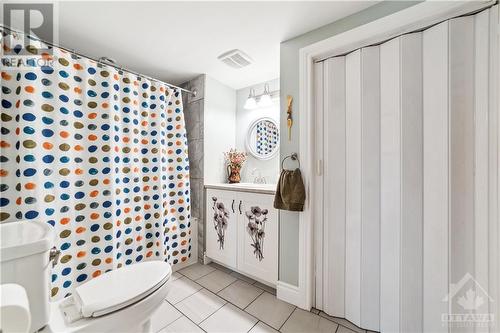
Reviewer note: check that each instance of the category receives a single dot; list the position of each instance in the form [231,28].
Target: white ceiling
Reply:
[175,41]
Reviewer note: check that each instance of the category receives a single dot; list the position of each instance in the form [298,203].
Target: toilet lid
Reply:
[120,288]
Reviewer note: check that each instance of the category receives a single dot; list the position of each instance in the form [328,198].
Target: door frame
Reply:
[417,17]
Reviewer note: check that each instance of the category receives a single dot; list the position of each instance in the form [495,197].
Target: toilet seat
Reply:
[115,290]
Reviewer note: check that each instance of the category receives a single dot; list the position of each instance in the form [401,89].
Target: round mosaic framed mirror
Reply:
[263,138]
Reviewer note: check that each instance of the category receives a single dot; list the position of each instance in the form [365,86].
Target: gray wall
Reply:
[194,116]
[289,83]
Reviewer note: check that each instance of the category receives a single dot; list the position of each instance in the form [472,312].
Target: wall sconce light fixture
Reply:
[263,100]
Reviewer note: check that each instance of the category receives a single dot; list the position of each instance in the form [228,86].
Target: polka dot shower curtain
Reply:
[98,153]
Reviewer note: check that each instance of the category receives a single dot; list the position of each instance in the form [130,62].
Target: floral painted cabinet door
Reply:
[222,227]
[258,237]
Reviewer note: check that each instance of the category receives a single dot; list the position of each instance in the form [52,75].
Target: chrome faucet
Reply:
[259,179]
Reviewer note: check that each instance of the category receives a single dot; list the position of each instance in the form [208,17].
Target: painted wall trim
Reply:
[287,292]
[410,19]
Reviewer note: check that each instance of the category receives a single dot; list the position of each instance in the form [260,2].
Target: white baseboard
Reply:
[289,293]
[205,260]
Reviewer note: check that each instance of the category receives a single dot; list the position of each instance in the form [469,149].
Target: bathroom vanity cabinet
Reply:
[242,229]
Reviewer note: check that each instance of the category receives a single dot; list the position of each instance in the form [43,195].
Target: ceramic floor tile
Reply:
[342,322]
[343,329]
[164,315]
[200,305]
[240,293]
[216,281]
[265,287]
[270,310]
[182,325]
[229,319]
[260,327]
[243,277]
[181,288]
[175,276]
[304,321]
[220,267]
[196,271]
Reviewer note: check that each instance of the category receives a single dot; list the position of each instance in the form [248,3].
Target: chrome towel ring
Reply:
[293,157]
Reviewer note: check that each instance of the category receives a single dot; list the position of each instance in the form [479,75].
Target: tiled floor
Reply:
[212,298]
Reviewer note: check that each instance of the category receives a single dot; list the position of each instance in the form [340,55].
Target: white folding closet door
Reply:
[481,183]
[461,154]
[401,184]
[390,181]
[320,145]
[370,187]
[353,188]
[411,183]
[335,186]
[435,197]
[411,176]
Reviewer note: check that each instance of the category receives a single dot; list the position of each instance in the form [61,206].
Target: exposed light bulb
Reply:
[251,103]
[265,99]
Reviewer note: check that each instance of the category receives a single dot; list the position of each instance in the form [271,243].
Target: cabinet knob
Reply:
[239,207]
[232,206]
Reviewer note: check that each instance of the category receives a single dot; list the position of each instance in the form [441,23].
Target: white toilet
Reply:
[122,300]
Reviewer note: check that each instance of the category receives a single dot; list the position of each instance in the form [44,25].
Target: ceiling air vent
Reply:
[235,58]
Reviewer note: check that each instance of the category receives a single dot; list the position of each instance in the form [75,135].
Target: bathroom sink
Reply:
[246,187]
[253,185]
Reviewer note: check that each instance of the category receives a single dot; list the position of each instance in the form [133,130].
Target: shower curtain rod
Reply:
[99,61]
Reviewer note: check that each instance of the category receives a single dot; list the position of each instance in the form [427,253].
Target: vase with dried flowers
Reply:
[234,160]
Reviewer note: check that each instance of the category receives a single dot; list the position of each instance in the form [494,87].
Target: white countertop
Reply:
[245,187]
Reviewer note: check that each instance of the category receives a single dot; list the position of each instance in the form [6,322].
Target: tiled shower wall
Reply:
[193,115]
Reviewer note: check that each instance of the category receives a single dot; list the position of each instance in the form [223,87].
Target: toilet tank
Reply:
[24,260]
